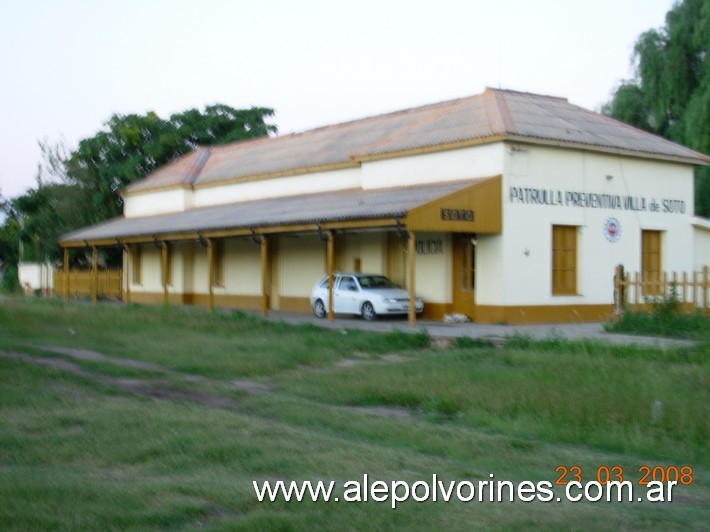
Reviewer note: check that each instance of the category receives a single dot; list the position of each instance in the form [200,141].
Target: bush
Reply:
[665,319]
[398,340]
[10,280]
[466,342]
[667,307]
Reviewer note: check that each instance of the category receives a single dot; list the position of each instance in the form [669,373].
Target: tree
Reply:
[670,93]
[8,248]
[82,187]
[41,215]
[132,146]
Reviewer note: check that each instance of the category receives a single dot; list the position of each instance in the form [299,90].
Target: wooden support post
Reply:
[637,289]
[210,273]
[663,292]
[411,252]
[264,276]
[94,274]
[129,271]
[705,288]
[618,289]
[330,260]
[164,266]
[685,287]
[66,275]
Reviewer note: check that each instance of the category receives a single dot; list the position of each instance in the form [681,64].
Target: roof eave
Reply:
[700,222]
[304,226]
[699,161]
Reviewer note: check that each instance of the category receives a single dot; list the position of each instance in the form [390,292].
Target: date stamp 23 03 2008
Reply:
[680,474]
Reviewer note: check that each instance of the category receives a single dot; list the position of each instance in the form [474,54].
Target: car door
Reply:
[346,297]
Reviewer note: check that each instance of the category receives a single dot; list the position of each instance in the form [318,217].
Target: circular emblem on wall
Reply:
[612,229]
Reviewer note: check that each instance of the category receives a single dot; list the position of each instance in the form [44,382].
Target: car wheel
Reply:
[368,311]
[319,309]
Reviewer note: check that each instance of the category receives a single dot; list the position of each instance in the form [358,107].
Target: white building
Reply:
[505,206]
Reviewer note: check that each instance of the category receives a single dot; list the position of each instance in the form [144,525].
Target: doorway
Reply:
[396,259]
[464,275]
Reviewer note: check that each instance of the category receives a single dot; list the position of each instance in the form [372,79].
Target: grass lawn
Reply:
[115,417]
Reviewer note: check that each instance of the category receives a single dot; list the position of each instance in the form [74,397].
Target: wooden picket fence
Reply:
[639,292]
[78,283]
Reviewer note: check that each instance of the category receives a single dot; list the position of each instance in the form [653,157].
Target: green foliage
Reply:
[10,280]
[466,342]
[670,95]
[41,215]
[666,318]
[9,239]
[132,146]
[667,307]
[663,321]
[550,390]
[230,344]
[89,179]
[96,450]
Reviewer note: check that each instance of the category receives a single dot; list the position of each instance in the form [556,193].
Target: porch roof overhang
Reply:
[343,209]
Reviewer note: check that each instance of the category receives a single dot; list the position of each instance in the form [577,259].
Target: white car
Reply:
[366,295]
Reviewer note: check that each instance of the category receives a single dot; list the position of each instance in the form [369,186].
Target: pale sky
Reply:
[67,65]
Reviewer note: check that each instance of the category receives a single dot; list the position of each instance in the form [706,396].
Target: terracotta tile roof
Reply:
[351,204]
[495,114]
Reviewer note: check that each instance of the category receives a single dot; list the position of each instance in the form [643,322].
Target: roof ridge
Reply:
[202,154]
[398,112]
[608,118]
[155,174]
[527,93]
[347,123]
[505,115]
[497,112]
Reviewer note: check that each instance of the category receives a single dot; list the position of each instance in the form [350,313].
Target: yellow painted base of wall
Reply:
[530,314]
[434,311]
[220,301]
[295,304]
[153,298]
[514,315]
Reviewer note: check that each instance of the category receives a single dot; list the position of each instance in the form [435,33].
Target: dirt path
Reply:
[165,388]
[145,387]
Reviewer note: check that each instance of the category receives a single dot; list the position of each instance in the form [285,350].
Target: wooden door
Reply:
[464,275]
[651,262]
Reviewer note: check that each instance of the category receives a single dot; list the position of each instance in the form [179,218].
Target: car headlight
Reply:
[390,300]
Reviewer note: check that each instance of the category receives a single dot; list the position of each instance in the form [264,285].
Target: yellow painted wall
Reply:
[186,255]
[433,270]
[151,279]
[448,165]
[301,263]
[242,267]
[277,187]
[372,252]
[200,271]
[151,202]
[368,247]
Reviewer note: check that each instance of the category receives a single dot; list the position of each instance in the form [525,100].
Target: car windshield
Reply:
[376,281]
